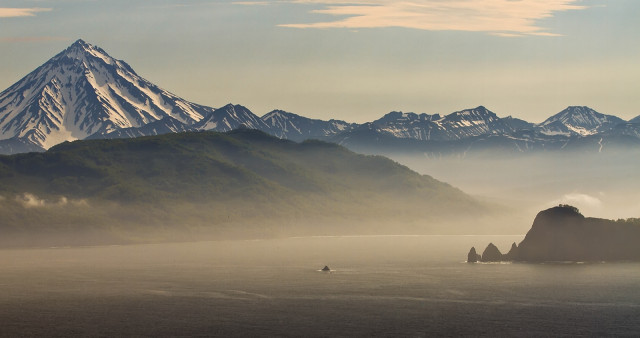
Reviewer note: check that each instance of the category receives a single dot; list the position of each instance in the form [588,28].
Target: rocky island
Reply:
[562,233]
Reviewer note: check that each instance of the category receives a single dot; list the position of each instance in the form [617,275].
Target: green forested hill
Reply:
[241,183]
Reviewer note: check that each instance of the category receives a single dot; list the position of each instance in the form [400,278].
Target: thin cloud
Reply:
[251,3]
[499,17]
[21,12]
[579,199]
[29,200]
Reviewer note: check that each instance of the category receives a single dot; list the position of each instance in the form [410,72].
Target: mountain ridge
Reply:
[578,120]
[82,92]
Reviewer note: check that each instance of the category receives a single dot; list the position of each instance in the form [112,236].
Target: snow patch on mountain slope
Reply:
[576,120]
[81,91]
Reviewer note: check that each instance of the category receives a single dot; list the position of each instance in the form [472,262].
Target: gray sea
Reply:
[411,286]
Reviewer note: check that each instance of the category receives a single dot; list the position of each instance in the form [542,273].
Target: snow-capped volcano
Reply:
[575,120]
[82,91]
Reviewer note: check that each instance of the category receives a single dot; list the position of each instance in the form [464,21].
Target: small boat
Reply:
[326,268]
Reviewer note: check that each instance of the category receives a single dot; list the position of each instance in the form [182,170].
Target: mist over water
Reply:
[379,285]
[605,185]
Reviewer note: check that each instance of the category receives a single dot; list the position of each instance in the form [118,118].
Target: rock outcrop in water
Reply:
[509,256]
[562,233]
[492,254]
[473,256]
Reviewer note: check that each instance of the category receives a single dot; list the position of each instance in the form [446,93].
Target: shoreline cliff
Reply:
[562,233]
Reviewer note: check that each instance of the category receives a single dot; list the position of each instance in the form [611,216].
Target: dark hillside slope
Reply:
[240,183]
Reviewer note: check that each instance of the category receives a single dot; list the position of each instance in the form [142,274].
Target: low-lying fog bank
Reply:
[605,185]
[240,184]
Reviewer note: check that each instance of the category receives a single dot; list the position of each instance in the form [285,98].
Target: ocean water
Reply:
[411,286]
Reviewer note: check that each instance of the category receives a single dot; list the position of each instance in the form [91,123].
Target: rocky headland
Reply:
[562,233]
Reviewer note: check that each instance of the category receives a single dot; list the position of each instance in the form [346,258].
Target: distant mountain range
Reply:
[83,93]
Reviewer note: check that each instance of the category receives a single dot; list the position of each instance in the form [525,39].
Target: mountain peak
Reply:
[575,110]
[82,91]
[85,55]
[231,106]
[396,116]
[278,113]
[578,107]
[229,117]
[79,42]
[479,112]
[82,46]
[578,120]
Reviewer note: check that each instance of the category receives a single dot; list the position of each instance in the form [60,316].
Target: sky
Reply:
[353,60]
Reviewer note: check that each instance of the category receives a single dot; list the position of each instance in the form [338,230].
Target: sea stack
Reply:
[492,254]
[512,254]
[472,256]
